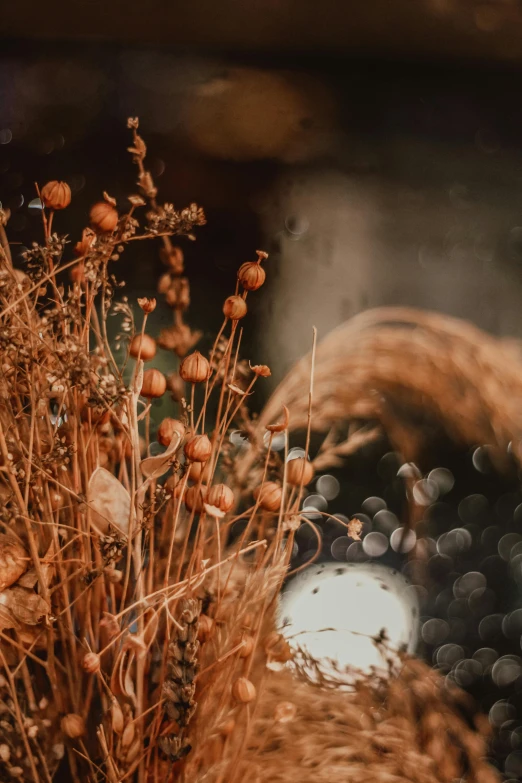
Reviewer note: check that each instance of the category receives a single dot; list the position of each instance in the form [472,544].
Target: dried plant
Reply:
[138,586]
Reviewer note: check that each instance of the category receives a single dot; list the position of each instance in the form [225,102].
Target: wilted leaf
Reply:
[25,605]
[30,578]
[13,560]
[109,502]
[7,619]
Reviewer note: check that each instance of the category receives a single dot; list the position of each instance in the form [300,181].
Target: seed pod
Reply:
[176,387]
[200,470]
[221,497]
[195,498]
[243,690]
[13,560]
[277,648]
[247,646]
[154,384]
[167,429]
[56,195]
[269,496]
[143,346]
[147,305]
[252,275]
[173,258]
[57,500]
[133,751]
[117,719]
[5,753]
[195,368]
[103,217]
[235,308]
[198,448]
[299,471]
[73,725]
[91,662]
[227,727]
[114,575]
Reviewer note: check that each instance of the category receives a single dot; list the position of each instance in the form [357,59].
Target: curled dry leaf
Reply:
[25,605]
[154,467]
[13,560]
[122,683]
[282,425]
[355,527]
[30,578]
[109,502]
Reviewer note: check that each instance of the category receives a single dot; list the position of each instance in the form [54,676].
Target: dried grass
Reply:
[136,618]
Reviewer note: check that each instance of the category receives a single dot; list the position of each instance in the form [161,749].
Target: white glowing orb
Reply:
[334,611]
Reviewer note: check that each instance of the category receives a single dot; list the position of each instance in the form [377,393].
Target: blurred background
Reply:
[375,151]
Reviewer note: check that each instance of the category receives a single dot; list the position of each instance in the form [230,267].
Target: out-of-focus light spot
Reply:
[506,670]
[506,545]
[448,654]
[318,502]
[5,136]
[356,554]
[297,226]
[466,584]
[466,672]
[332,629]
[35,204]
[375,544]
[486,656]
[278,440]
[454,542]
[512,624]
[328,486]
[373,504]
[403,540]
[425,492]
[155,449]
[513,765]
[340,547]
[76,183]
[490,627]
[472,507]
[239,438]
[434,631]
[388,465]
[481,459]
[500,712]
[409,470]
[386,521]
[443,478]
[296,453]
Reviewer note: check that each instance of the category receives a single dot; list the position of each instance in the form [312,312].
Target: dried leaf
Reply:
[25,605]
[109,502]
[137,201]
[154,467]
[109,199]
[13,560]
[7,619]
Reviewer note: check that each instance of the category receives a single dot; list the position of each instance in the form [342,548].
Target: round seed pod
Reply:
[154,384]
[167,429]
[5,752]
[91,662]
[285,712]
[13,560]
[56,195]
[143,346]
[199,470]
[221,497]
[235,308]
[103,217]
[251,275]
[244,690]
[176,387]
[128,735]
[299,471]
[195,498]
[195,368]
[198,448]
[277,648]
[73,725]
[227,727]
[269,496]
[247,647]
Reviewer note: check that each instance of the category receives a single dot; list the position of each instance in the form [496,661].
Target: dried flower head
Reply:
[143,346]
[269,496]
[56,195]
[299,471]
[147,305]
[103,217]
[221,497]
[154,384]
[235,308]
[198,448]
[244,690]
[195,368]
[261,369]
[91,662]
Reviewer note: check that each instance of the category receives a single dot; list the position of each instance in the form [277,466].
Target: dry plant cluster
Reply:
[137,633]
